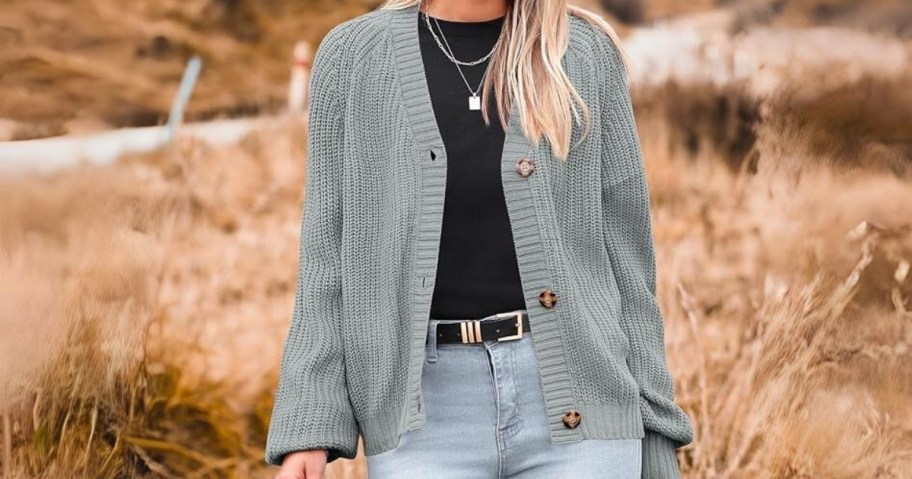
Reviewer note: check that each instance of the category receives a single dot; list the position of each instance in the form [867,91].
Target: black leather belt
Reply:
[511,326]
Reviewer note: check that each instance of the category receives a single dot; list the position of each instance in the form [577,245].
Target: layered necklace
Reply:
[474,99]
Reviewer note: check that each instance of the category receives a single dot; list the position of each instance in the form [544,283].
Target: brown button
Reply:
[572,418]
[547,298]
[525,167]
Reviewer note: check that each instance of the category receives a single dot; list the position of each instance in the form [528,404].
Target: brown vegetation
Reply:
[88,65]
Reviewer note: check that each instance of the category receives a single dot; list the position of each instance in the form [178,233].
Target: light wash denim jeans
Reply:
[486,419]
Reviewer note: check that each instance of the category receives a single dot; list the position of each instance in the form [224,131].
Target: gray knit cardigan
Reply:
[369,241]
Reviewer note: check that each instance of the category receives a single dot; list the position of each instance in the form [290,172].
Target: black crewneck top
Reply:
[477,271]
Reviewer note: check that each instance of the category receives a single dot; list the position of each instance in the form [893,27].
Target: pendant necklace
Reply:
[474,99]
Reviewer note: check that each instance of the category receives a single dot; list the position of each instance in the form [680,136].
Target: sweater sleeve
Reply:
[628,232]
[312,408]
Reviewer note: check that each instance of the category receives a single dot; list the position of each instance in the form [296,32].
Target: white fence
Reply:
[52,154]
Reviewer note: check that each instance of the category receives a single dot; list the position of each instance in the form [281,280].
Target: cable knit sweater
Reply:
[370,234]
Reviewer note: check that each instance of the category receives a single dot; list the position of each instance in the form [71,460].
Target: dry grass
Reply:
[87,65]
[84,65]
[149,302]
[789,337]
[784,251]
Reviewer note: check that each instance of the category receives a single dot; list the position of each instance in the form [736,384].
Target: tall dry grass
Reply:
[786,294]
[783,235]
[145,304]
[83,256]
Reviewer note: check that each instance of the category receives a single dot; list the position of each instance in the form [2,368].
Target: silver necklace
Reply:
[474,99]
[449,54]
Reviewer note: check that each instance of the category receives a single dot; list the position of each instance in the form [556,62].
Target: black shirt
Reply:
[477,271]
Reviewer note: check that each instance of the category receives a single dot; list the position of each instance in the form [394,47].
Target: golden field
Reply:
[144,304]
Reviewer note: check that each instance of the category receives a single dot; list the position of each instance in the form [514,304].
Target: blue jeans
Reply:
[486,419]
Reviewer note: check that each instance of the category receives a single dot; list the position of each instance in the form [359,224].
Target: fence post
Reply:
[176,118]
[300,74]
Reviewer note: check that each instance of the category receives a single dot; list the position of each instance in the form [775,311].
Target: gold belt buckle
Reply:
[471,331]
[519,325]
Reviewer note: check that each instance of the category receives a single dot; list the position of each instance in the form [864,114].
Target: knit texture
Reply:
[370,233]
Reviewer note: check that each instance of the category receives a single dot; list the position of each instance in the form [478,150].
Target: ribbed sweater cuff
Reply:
[332,430]
[659,460]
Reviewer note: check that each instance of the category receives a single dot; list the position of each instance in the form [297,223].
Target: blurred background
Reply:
[145,293]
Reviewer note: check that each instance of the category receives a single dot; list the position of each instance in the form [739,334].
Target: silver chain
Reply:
[449,54]
[466,81]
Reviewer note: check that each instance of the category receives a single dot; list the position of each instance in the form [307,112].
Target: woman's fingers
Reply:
[309,464]
[315,464]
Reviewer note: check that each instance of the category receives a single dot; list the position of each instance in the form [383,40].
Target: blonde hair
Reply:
[527,68]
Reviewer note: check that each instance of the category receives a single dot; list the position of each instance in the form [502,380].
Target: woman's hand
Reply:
[309,464]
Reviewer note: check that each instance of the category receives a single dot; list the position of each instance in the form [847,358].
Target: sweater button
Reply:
[525,167]
[572,418]
[547,298]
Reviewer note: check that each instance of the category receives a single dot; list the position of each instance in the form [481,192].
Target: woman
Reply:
[476,293]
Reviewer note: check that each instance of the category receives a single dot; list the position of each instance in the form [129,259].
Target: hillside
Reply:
[87,65]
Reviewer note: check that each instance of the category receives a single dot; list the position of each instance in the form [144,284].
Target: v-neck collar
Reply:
[417,98]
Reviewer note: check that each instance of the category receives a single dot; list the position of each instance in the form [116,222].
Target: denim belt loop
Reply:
[431,343]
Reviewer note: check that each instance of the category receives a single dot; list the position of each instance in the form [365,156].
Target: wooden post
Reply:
[300,77]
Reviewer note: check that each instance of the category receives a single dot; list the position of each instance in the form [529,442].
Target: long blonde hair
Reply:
[527,68]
